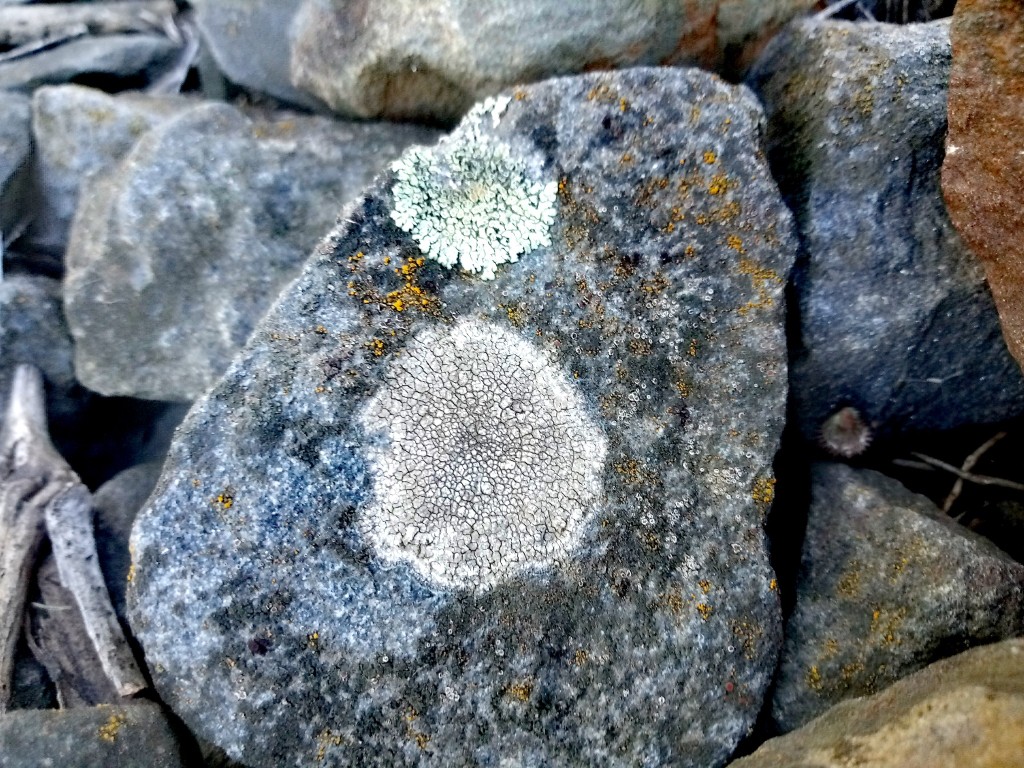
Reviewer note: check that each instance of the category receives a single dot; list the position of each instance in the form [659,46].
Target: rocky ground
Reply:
[550,384]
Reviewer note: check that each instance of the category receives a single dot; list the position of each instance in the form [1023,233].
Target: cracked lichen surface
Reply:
[485,461]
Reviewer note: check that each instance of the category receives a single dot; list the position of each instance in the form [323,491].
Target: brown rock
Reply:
[983,173]
[962,712]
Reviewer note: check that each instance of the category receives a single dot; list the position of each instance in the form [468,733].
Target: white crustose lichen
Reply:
[469,201]
[485,462]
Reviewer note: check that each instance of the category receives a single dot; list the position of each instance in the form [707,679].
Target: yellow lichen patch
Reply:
[131,573]
[673,601]
[831,648]
[885,623]
[354,259]
[692,350]
[705,610]
[109,730]
[655,285]
[734,242]
[325,740]
[705,586]
[690,252]
[422,739]
[646,193]
[848,585]
[682,387]
[313,640]
[813,678]
[519,94]
[225,499]
[773,584]
[520,690]
[640,347]
[580,657]
[763,492]
[623,105]
[627,158]
[516,313]
[410,295]
[376,347]
[635,473]
[710,157]
[719,184]
[761,277]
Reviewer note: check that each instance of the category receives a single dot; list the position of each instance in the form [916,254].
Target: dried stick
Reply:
[37,489]
[969,476]
[967,466]
[26,24]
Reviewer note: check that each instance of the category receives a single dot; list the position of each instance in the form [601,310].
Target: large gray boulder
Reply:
[431,59]
[509,513]
[893,313]
[888,584]
[177,253]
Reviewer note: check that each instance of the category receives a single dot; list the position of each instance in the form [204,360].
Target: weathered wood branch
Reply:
[40,493]
[29,23]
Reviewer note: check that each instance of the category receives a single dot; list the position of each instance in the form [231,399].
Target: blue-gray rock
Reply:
[80,132]
[33,330]
[132,736]
[176,254]
[432,60]
[15,156]
[251,43]
[428,518]
[893,313]
[888,584]
[129,60]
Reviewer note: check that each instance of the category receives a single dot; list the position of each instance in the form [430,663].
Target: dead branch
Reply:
[22,25]
[967,466]
[969,476]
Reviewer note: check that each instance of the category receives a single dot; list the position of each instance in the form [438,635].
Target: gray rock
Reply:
[116,503]
[15,154]
[963,712]
[887,585]
[131,60]
[251,43]
[175,255]
[566,566]
[895,317]
[133,736]
[78,133]
[33,330]
[432,59]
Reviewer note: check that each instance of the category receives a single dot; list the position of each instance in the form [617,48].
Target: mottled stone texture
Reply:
[893,315]
[275,629]
[134,736]
[887,584]
[176,253]
[963,712]
[983,173]
[431,59]
[78,133]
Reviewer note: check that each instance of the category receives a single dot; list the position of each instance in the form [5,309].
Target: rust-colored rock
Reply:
[983,172]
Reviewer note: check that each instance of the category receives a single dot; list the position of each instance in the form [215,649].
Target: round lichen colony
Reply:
[484,460]
[470,202]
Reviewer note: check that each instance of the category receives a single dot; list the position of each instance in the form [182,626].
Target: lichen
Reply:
[471,200]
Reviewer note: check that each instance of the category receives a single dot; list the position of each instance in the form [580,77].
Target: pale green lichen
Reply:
[470,200]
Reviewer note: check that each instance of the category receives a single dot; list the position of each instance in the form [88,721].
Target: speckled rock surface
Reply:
[431,59]
[176,254]
[963,712]
[15,153]
[895,317]
[887,585]
[251,42]
[134,736]
[336,565]
[983,173]
[79,132]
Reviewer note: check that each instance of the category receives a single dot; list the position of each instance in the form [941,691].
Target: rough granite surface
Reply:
[431,59]
[961,712]
[303,587]
[175,254]
[893,316]
[888,584]
[79,132]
